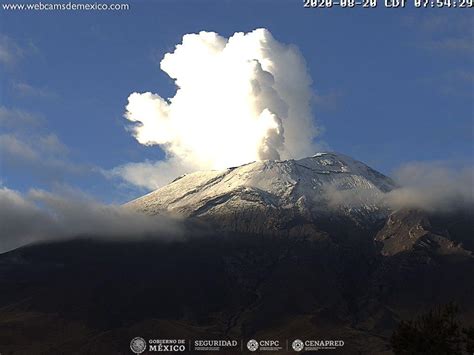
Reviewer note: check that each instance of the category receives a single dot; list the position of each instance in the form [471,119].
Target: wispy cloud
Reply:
[452,44]
[17,119]
[9,50]
[448,33]
[148,175]
[39,156]
[442,36]
[12,51]
[27,90]
[329,100]
[26,146]
[457,82]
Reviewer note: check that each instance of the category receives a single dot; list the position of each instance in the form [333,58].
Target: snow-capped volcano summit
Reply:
[244,195]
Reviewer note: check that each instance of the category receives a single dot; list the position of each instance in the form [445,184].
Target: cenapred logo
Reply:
[316,345]
[138,345]
[252,345]
[297,345]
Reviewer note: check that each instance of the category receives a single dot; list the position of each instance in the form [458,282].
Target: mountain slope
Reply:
[90,296]
[279,191]
[409,230]
[352,279]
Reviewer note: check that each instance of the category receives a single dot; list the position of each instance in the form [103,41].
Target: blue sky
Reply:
[391,85]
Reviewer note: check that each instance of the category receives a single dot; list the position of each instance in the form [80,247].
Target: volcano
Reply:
[290,196]
[267,254]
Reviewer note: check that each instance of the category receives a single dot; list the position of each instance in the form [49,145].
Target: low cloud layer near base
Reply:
[40,215]
[432,187]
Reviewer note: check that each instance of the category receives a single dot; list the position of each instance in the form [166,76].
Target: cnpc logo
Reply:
[264,345]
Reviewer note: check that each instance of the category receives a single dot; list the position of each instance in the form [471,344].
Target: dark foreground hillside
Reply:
[92,296]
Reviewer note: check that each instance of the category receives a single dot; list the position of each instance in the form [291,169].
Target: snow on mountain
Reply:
[268,190]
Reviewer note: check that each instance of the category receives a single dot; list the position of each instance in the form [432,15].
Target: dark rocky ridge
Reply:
[87,296]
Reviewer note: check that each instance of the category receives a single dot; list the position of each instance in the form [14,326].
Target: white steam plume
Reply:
[238,100]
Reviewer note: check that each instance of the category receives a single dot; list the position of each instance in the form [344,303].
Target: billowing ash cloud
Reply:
[432,187]
[238,100]
[40,215]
